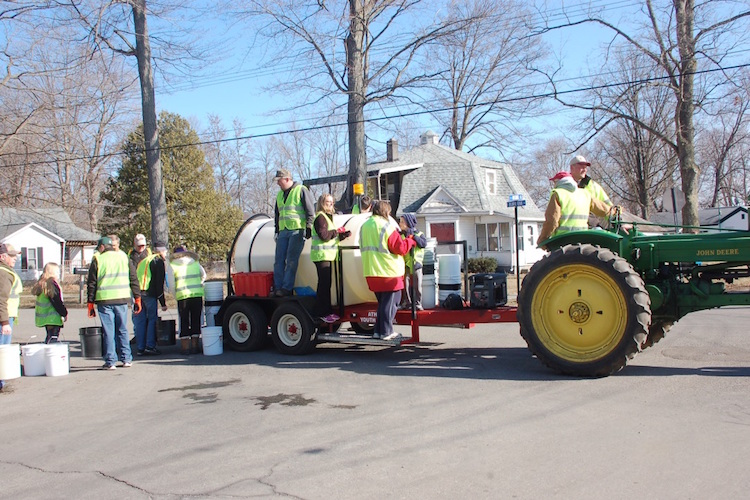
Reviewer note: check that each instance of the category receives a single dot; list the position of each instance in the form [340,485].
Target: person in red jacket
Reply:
[382,249]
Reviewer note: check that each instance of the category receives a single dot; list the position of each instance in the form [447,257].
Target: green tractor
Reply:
[601,296]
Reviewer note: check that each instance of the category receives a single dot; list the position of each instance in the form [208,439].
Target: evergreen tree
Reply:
[199,217]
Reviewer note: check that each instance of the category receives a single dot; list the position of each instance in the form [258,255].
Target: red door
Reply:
[444,231]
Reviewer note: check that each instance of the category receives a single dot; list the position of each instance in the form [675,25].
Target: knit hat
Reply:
[410,219]
[560,175]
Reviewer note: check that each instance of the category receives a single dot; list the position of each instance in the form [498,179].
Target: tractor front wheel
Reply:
[584,311]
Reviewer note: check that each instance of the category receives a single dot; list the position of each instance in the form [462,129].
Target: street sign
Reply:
[673,200]
[516,200]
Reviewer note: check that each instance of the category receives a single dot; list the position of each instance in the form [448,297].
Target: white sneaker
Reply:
[392,336]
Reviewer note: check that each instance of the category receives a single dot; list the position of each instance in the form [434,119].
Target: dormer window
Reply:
[491,183]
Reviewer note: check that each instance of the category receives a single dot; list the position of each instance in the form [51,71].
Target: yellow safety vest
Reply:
[418,254]
[45,313]
[597,192]
[291,211]
[324,250]
[377,260]
[14,299]
[187,280]
[113,278]
[144,271]
[575,207]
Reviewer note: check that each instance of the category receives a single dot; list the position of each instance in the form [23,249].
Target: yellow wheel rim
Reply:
[579,313]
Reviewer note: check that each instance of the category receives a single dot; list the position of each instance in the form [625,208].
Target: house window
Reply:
[491,183]
[31,258]
[493,237]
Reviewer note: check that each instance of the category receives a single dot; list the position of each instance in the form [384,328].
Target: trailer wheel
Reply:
[584,311]
[363,328]
[246,326]
[292,329]
[656,332]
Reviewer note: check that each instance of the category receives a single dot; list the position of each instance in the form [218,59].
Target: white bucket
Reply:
[33,359]
[10,361]
[449,269]
[56,361]
[429,251]
[213,291]
[213,342]
[428,291]
[210,312]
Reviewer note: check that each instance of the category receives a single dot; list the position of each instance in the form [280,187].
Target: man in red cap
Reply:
[568,208]
[578,168]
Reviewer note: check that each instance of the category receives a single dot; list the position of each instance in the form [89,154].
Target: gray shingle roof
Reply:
[462,175]
[55,220]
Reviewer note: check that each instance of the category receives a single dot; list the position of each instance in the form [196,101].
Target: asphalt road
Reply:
[466,414]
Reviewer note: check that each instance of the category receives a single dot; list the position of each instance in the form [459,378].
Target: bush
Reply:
[482,265]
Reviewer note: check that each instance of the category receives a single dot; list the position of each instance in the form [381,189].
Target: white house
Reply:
[45,235]
[458,196]
[711,219]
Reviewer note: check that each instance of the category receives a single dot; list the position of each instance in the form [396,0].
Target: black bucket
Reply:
[165,332]
[91,342]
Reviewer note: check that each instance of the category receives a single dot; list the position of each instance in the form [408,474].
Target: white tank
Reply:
[254,249]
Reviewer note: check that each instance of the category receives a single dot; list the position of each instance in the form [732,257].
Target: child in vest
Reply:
[413,261]
[50,311]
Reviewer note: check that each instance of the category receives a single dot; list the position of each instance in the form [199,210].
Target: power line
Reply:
[383,118]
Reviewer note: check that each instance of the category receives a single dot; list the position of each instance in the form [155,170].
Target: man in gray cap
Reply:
[294,214]
[578,169]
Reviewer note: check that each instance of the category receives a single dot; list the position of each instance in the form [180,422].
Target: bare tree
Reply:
[680,38]
[230,159]
[381,39]
[722,147]
[488,68]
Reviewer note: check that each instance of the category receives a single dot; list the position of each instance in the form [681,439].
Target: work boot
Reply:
[195,344]
[185,345]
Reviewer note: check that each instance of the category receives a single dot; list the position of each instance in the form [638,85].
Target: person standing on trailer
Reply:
[294,213]
[413,261]
[324,252]
[382,249]
[188,276]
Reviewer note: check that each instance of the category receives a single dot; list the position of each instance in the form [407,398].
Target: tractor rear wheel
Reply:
[656,332]
[583,311]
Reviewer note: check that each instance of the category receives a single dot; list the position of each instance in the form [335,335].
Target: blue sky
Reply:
[235,91]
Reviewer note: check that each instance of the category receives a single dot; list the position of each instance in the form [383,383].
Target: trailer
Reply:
[250,314]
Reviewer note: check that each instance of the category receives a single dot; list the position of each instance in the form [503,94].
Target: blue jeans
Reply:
[289,246]
[115,332]
[144,323]
[5,339]
[387,307]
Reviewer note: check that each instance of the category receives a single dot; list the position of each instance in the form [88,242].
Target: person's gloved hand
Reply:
[308,233]
[137,306]
[92,312]
[344,235]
